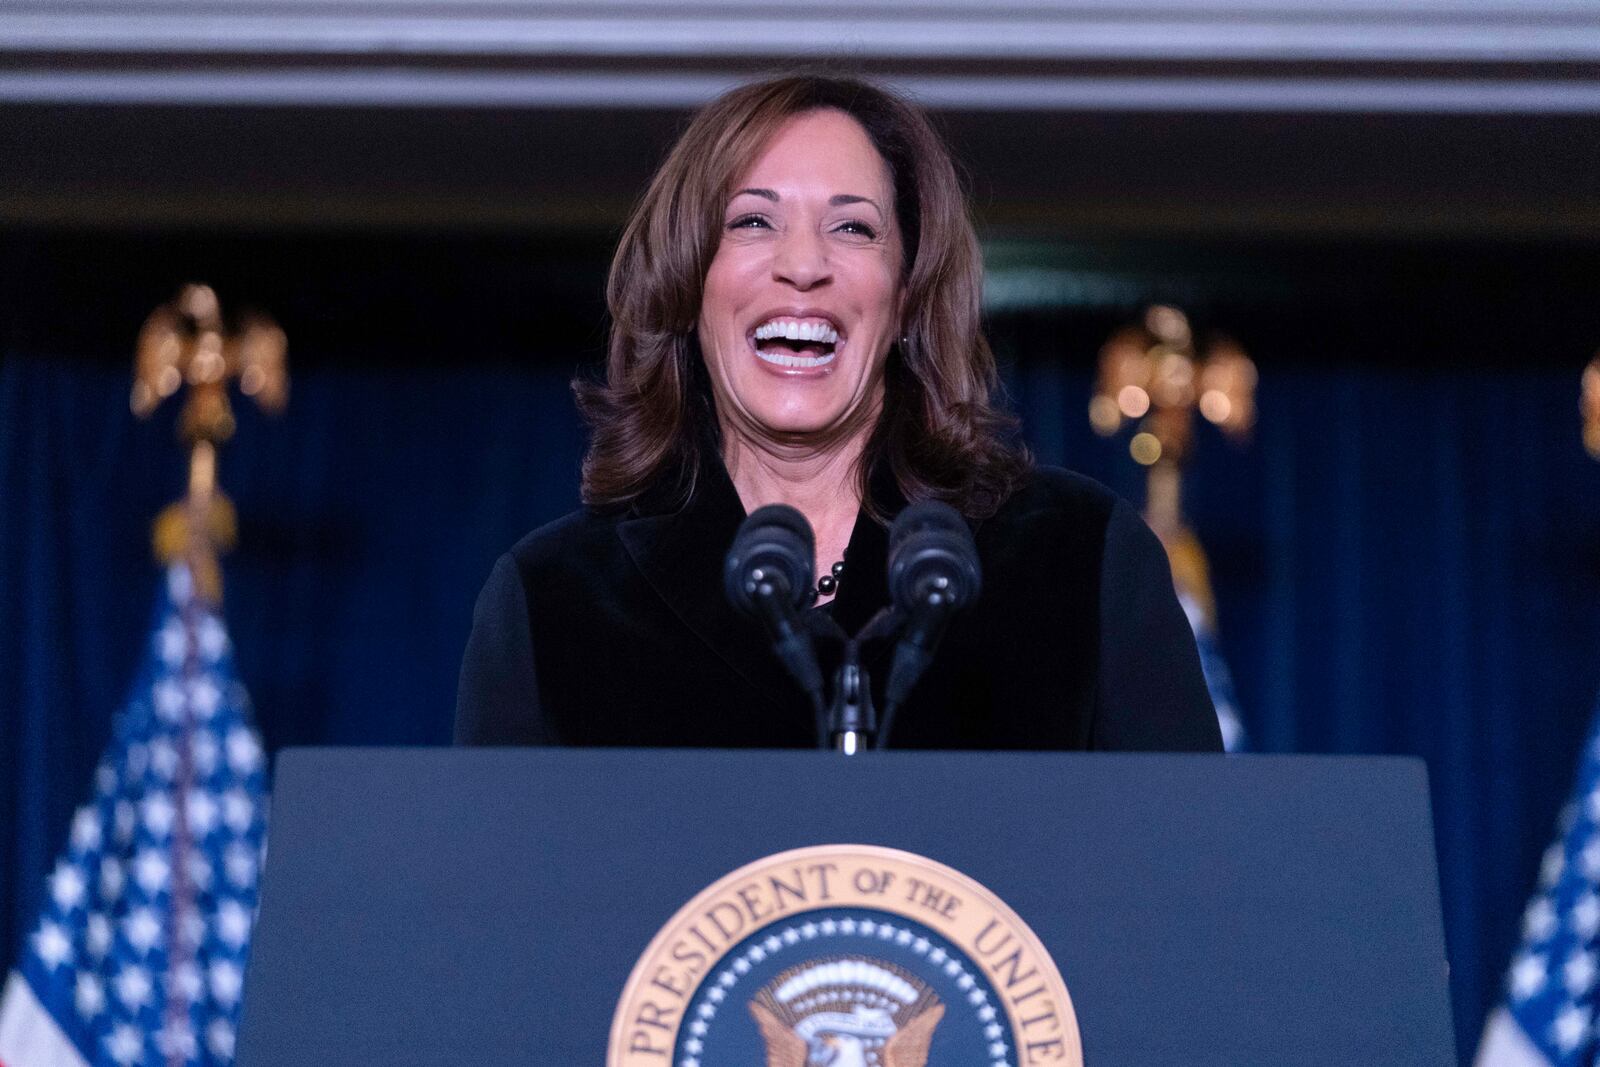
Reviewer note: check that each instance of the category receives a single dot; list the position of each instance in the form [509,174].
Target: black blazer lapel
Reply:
[680,553]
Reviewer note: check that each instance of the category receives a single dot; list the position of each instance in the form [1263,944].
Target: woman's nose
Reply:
[801,259]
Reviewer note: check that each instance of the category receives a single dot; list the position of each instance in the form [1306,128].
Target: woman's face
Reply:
[802,299]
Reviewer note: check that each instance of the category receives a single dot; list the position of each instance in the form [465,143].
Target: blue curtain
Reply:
[369,516]
[1406,561]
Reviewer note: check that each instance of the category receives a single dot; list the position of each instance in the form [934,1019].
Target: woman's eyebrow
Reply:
[837,200]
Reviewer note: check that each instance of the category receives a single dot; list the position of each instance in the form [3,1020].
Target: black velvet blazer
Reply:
[613,630]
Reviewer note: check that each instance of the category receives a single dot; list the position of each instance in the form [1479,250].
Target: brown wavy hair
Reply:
[652,421]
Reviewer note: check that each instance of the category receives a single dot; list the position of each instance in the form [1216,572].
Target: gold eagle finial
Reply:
[186,343]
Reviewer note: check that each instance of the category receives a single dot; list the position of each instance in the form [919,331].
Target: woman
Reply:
[795,311]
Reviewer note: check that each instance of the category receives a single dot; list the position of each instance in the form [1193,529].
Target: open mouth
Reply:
[797,344]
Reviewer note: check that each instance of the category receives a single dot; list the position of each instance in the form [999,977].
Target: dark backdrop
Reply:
[1407,556]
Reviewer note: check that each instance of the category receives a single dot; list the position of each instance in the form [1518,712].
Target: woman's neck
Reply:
[823,485]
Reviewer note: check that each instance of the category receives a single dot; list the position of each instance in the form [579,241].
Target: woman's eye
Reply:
[748,222]
[856,226]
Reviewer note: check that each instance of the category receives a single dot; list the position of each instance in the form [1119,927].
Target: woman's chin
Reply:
[791,424]
[795,408]
[799,408]
[802,429]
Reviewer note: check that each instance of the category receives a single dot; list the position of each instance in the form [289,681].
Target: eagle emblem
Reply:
[846,1011]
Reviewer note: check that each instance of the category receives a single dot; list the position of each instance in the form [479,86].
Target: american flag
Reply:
[139,956]
[1218,679]
[1548,1019]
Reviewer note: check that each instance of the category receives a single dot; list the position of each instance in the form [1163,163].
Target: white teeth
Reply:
[784,359]
[795,330]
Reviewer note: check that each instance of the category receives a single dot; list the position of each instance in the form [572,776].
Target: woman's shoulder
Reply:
[1055,494]
[574,534]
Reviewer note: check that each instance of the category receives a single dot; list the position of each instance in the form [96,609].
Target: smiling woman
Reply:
[795,309]
[806,280]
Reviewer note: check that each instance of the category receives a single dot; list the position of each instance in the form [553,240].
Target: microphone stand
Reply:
[933,569]
[852,722]
[790,642]
[912,656]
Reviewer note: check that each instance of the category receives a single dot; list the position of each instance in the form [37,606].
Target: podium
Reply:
[454,906]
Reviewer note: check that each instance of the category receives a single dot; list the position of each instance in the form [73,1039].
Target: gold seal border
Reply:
[1063,1045]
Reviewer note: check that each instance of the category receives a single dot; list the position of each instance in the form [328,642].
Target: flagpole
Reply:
[1155,375]
[1589,404]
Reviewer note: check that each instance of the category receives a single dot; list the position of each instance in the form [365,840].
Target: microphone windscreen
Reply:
[931,545]
[777,541]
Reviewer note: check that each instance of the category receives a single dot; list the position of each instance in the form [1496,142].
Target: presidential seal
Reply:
[845,956]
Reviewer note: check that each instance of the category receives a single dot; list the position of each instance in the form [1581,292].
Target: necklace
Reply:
[828,584]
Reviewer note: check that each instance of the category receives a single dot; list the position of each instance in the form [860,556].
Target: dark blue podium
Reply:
[487,906]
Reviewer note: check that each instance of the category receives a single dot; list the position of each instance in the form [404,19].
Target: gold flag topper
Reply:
[1590,406]
[1152,374]
[187,343]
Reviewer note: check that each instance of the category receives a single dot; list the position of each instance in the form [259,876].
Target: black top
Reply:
[613,630]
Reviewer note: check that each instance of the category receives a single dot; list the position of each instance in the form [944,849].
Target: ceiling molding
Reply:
[1451,56]
[1430,31]
[675,90]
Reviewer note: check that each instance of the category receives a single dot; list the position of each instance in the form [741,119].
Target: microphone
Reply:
[933,573]
[768,574]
